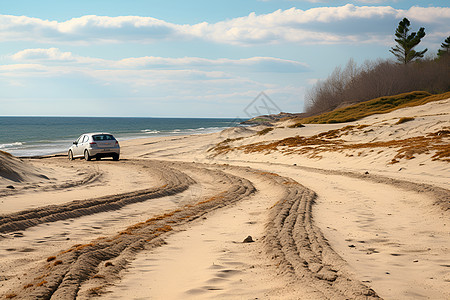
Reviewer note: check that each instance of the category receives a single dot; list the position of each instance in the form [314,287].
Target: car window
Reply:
[103,137]
[80,139]
[85,139]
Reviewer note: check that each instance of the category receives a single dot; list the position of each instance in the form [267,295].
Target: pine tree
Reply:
[445,48]
[404,51]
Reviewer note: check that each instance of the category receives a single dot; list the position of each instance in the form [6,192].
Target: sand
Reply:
[336,213]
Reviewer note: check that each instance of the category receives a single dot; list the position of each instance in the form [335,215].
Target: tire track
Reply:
[440,195]
[89,178]
[175,182]
[302,251]
[296,245]
[101,260]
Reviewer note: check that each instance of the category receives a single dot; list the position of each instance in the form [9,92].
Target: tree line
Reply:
[410,72]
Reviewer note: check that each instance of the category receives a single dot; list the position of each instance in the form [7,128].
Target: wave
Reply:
[197,129]
[187,131]
[10,145]
[150,131]
[47,135]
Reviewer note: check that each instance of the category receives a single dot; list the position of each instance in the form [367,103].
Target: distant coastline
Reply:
[30,136]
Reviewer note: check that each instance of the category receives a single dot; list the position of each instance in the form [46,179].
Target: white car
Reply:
[95,145]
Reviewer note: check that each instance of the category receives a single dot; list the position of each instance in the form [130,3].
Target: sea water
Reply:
[31,136]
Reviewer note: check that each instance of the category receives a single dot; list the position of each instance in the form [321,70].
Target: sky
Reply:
[205,58]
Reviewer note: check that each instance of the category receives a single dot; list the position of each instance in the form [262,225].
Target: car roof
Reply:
[96,133]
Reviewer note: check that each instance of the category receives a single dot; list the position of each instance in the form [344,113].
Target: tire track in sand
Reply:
[296,251]
[302,251]
[62,275]
[175,182]
[90,177]
[292,241]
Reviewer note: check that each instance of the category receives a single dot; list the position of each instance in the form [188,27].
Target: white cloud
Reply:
[428,15]
[329,1]
[312,81]
[257,64]
[252,64]
[344,24]
[373,1]
[50,54]
[56,74]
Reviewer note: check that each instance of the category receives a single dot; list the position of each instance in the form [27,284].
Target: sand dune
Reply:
[336,211]
[13,170]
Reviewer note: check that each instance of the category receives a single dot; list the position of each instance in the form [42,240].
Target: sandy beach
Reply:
[355,210]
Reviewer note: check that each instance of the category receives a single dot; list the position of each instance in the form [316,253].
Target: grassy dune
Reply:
[375,106]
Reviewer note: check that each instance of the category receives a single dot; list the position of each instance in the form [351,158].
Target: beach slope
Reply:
[356,210]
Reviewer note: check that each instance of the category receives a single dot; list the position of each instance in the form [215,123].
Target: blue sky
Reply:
[190,58]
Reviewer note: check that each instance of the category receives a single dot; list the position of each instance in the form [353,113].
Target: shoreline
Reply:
[55,134]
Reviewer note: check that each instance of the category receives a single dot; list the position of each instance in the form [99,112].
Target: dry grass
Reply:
[297,141]
[6,153]
[67,251]
[27,286]
[213,198]
[296,125]
[97,291]
[41,283]
[225,143]
[58,262]
[264,131]
[404,120]
[42,276]
[330,141]
[375,106]
[268,173]
[165,228]
[81,247]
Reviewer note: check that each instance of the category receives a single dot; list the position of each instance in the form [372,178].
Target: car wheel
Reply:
[86,155]
[98,158]
[70,155]
[115,157]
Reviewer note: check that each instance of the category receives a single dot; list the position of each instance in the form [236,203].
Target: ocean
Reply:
[32,136]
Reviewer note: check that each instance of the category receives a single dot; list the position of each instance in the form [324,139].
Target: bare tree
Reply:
[375,79]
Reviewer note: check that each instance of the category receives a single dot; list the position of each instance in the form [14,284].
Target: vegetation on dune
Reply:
[354,84]
[296,125]
[403,120]
[373,79]
[330,141]
[257,120]
[6,153]
[375,106]
[355,92]
[264,131]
